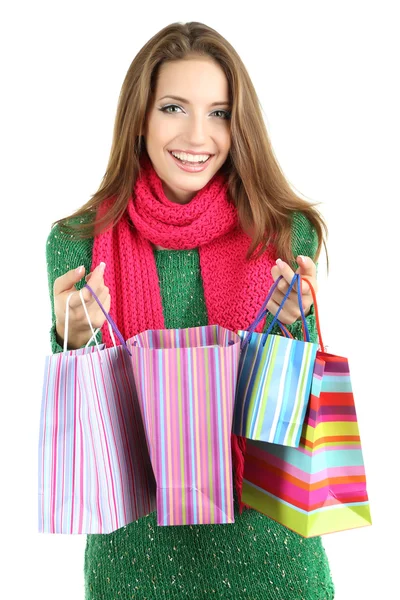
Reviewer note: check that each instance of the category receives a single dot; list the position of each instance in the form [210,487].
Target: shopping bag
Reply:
[274,379]
[94,470]
[319,487]
[186,379]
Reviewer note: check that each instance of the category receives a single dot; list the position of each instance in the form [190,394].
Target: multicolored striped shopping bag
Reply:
[186,381]
[319,487]
[94,470]
[274,379]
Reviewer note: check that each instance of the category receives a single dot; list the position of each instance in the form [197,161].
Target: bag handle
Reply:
[263,311]
[66,327]
[304,323]
[110,321]
[94,333]
[300,299]
[306,333]
[317,321]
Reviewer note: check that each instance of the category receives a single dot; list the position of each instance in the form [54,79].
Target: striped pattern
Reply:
[319,487]
[273,389]
[94,470]
[186,381]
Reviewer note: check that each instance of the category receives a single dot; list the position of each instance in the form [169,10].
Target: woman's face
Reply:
[198,122]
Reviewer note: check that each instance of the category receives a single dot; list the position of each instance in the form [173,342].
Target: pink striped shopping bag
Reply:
[186,381]
[319,487]
[94,469]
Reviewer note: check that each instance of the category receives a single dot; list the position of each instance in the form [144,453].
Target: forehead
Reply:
[196,79]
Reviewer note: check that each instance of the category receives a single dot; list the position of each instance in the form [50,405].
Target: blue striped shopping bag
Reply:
[274,379]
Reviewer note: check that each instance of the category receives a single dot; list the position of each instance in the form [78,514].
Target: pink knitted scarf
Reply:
[234,289]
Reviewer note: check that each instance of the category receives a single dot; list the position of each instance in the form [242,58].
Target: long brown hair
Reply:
[257,186]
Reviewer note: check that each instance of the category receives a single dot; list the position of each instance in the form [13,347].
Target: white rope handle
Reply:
[88,319]
[66,323]
[111,334]
[94,333]
[92,337]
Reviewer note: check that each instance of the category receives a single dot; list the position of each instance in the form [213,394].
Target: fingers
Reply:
[96,279]
[78,316]
[291,300]
[286,272]
[307,267]
[290,311]
[67,281]
[308,270]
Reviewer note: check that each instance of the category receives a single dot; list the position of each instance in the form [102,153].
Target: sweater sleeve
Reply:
[63,254]
[304,242]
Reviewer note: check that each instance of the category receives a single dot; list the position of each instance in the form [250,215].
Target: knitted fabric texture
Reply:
[234,289]
[255,558]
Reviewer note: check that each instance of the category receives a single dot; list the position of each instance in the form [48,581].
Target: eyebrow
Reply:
[187,101]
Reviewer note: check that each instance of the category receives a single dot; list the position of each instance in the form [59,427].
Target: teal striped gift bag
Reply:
[274,379]
[186,381]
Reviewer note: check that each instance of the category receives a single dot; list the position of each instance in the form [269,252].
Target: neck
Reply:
[179,197]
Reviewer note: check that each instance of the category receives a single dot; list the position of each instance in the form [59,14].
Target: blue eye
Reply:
[226,114]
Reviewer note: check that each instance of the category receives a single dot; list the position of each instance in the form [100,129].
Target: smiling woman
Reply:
[191,219]
[179,136]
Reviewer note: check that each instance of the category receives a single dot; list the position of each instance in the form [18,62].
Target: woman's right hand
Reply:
[79,332]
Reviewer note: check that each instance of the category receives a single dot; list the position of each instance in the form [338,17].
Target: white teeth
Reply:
[192,158]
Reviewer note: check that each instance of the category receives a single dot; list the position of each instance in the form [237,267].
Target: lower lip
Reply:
[191,168]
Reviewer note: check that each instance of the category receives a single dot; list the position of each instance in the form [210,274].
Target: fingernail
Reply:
[302,258]
[102,266]
[279,262]
[79,270]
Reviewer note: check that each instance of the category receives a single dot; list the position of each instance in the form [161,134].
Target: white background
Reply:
[326,74]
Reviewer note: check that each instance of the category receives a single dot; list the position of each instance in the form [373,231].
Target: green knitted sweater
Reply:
[254,558]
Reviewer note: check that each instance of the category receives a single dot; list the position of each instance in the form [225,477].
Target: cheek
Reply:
[224,136]
[160,129]
[164,132]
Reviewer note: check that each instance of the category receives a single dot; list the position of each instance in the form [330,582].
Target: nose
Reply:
[197,130]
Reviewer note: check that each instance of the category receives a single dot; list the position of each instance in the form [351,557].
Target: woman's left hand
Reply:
[291,311]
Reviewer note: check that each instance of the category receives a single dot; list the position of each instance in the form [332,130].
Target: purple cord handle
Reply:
[109,319]
[261,314]
[263,311]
